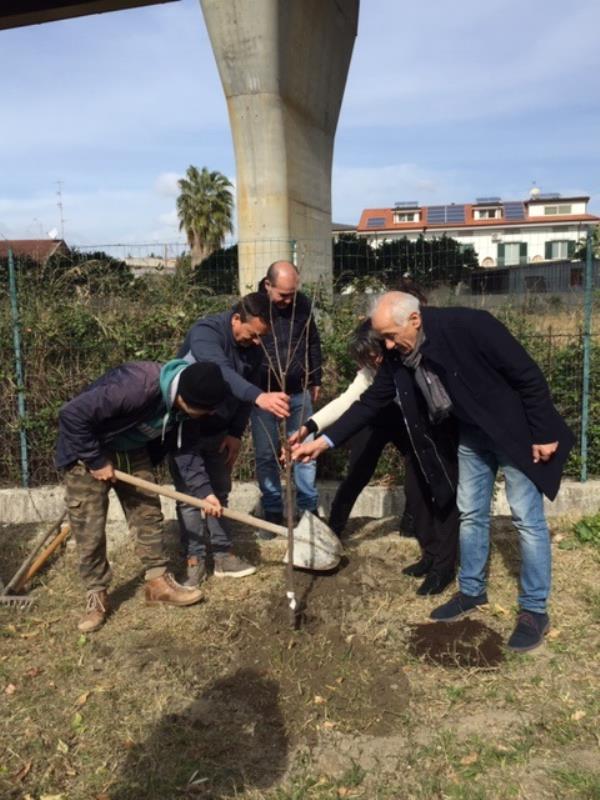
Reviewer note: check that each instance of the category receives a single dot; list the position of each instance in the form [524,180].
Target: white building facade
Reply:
[546,227]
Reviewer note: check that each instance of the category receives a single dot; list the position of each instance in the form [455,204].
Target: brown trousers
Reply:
[87,505]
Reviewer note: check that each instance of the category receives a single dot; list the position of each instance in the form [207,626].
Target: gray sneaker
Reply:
[230,566]
[195,575]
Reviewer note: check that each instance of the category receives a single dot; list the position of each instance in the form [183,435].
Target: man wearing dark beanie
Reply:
[113,423]
[201,385]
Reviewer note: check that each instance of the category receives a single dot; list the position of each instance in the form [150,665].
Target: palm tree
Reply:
[204,207]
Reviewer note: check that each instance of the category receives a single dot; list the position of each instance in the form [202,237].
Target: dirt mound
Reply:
[466,643]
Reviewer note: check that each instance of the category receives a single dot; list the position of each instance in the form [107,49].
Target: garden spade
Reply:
[316,547]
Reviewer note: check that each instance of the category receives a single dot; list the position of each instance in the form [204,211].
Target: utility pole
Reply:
[60,208]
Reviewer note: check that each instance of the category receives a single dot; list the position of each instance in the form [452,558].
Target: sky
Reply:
[445,102]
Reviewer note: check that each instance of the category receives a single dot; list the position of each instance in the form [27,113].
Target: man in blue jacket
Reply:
[232,340]
[465,363]
[112,423]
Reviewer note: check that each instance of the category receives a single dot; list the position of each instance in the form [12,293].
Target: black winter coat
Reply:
[434,447]
[495,385]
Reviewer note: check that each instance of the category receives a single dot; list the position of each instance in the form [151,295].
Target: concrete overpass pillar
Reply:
[283,65]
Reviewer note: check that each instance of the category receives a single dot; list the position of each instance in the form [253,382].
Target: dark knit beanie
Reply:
[201,385]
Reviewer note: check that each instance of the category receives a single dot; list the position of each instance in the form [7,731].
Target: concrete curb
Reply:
[46,504]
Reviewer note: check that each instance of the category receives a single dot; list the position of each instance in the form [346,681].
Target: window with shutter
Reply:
[500,258]
[522,252]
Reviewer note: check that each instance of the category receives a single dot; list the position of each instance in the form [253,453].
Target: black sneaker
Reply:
[458,606]
[276,517]
[529,631]
[419,568]
[435,582]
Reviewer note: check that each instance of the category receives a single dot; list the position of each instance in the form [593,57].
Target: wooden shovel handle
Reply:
[238,516]
[65,530]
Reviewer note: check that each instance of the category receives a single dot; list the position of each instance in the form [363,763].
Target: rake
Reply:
[9,594]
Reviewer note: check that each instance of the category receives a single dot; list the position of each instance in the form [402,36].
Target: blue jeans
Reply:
[478,463]
[265,433]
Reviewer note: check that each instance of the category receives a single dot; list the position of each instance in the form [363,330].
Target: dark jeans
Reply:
[193,525]
[436,530]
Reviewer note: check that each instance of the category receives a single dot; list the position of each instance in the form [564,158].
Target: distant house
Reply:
[39,250]
[545,227]
[339,229]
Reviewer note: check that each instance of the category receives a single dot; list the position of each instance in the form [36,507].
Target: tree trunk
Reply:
[199,252]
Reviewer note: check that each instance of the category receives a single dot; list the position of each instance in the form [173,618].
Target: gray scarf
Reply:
[439,404]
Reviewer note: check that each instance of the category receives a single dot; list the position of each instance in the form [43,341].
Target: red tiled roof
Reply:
[37,249]
[387,217]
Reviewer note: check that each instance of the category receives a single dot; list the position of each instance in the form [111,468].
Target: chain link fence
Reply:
[66,320]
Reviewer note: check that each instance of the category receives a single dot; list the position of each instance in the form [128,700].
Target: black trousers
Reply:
[435,529]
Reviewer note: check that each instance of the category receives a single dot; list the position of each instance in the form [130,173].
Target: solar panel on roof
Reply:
[488,199]
[407,204]
[375,222]
[455,213]
[436,215]
[514,211]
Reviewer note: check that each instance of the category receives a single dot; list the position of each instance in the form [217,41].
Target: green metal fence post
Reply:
[14,307]
[588,292]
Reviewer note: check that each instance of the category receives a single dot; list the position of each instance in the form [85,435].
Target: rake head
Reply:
[18,601]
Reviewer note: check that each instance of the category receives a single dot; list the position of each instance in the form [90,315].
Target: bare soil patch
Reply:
[365,698]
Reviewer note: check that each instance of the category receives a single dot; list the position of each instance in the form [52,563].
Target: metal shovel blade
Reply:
[316,547]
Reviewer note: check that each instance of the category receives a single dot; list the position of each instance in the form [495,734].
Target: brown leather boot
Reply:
[96,611]
[165,589]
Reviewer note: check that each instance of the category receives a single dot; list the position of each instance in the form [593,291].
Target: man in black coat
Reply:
[291,364]
[466,364]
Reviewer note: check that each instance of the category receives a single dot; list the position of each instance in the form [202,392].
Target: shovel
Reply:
[316,547]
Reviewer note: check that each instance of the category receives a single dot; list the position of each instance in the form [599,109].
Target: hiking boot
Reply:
[435,582]
[97,610]
[458,606]
[165,589]
[276,517]
[529,631]
[419,568]
[227,565]
[195,574]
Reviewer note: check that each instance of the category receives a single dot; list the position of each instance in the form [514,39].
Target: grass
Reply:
[224,701]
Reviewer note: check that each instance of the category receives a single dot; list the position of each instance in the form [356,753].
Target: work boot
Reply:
[96,611]
[227,565]
[165,589]
[195,573]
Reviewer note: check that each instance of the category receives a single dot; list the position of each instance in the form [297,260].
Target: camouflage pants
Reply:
[87,505]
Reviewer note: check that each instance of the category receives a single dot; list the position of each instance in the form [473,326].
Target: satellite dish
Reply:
[534,192]
[53,234]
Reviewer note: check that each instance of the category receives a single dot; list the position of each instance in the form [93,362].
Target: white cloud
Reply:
[167,184]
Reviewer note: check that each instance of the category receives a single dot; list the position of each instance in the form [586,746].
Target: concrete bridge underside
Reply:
[283,65]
